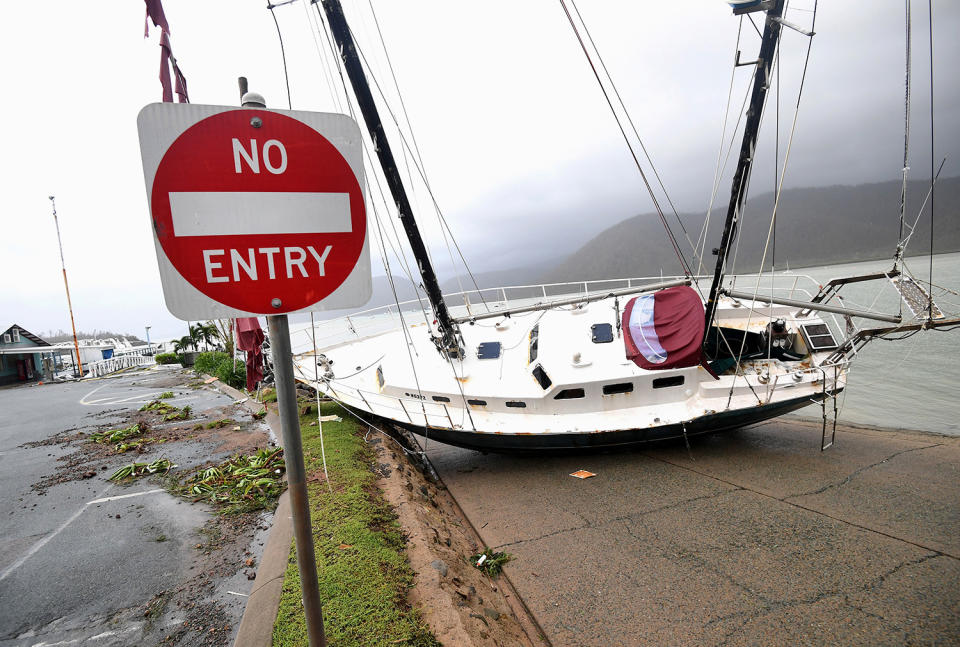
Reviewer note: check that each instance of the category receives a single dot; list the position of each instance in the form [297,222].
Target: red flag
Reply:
[250,338]
[167,59]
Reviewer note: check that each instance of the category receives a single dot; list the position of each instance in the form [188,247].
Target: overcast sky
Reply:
[515,136]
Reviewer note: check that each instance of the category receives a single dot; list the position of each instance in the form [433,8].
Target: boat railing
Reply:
[413,312]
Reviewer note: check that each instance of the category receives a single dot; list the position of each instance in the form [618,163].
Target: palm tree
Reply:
[225,333]
[195,336]
[209,333]
[183,344]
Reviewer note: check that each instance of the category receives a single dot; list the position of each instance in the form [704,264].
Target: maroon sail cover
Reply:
[250,338]
[664,329]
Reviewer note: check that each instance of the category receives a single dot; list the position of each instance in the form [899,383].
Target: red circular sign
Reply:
[242,204]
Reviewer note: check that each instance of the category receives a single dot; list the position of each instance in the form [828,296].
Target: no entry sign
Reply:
[255,211]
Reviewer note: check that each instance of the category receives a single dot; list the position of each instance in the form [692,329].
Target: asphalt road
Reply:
[79,563]
[755,537]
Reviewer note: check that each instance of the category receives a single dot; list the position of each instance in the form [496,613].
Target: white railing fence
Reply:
[114,364]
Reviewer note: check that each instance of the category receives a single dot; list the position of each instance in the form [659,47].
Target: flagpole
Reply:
[66,285]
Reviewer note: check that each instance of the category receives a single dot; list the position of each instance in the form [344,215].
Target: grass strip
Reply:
[362,568]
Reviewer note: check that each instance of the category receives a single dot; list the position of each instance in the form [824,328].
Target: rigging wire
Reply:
[401,257]
[702,238]
[418,164]
[906,129]
[636,134]
[283,52]
[382,193]
[623,132]
[389,275]
[916,221]
[413,138]
[786,159]
[316,374]
[324,63]
[932,183]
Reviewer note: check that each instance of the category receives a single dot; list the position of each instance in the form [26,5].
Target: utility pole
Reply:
[76,344]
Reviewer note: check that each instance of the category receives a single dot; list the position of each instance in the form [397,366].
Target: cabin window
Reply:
[477,403]
[534,340]
[623,387]
[516,404]
[441,398]
[488,350]
[818,337]
[664,382]
[542,378]
[16,335]
[380,379]
[6,338]
[569,394]
[601,333]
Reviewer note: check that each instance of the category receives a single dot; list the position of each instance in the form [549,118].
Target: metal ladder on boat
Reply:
[832,396]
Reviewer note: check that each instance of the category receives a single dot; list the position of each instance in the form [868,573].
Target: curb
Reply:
[263,603]
[528,621]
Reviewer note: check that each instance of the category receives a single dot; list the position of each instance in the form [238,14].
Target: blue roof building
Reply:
[21,356]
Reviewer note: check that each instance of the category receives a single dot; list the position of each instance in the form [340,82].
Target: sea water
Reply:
[909,384]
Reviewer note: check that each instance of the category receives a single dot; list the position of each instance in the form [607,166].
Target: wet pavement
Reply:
[86,560]
[753,537]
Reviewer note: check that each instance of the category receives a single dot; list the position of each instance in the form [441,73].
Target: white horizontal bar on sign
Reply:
[224,213]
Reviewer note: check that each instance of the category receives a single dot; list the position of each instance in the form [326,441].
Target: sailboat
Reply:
[610,364]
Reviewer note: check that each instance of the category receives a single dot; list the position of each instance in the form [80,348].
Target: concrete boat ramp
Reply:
[754,537]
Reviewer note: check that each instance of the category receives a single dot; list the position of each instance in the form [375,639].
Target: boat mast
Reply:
[741,179]
[449,341]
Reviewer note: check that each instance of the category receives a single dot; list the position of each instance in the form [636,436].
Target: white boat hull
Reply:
[587,395]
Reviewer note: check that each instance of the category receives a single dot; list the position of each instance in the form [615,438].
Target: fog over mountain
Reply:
[815,226]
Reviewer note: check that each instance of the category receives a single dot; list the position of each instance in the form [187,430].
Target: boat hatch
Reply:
[601,333]
[488,350]
[569,394]
[818,337]
[664,382]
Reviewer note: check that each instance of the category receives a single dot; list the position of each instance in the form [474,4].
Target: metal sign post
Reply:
[260,212]
[296,475]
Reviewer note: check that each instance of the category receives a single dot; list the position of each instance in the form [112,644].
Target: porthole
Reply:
[477,403]
[516,404]
[664,382]
[441,398]
[570,394]
[534,341]
[542,378]
[612,389]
